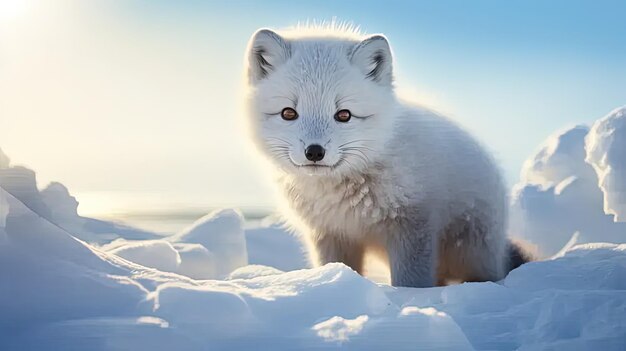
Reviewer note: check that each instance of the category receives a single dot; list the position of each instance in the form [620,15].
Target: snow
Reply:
[69,282]
[56,204]
[221,233]
[4,212]
[340,329]
[65,294]
[196,261]
[57,198]
[558,195]
[192,260]
[21,182]
[50,276]
[253,271]
[271,244]
[215,246]
[5,161]
[158,254]
[606,152]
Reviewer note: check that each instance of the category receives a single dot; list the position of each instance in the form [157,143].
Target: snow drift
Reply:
[210,248]
[57,205]
[158,254]
[68,282]
[571,185]
[606,152]
[61,293]
[271,244]
[220,232]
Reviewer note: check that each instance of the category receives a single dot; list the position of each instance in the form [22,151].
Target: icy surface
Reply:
[58,292]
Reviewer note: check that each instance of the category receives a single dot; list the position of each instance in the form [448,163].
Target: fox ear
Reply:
[373,57]
[266,51]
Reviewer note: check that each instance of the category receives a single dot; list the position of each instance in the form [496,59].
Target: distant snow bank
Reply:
[57,205]
[210,248]
[575,183]
[61,293]
[606,152]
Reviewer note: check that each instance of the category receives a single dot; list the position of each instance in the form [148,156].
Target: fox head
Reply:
[320,105]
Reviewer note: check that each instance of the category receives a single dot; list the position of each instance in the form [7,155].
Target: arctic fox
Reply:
[361,170]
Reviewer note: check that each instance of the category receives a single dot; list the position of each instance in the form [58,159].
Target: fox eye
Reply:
[289,114]
[343,116]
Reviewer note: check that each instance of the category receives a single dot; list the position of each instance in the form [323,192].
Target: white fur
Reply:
[400,180]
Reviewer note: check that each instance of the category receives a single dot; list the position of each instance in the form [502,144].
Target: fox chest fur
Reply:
[352,207]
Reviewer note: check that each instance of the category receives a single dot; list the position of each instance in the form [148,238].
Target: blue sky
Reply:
[150,89]
[513,71]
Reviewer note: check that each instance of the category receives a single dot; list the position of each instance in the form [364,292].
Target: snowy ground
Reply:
[74,283]
[61,293]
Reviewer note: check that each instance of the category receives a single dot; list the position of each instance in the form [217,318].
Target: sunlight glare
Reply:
[10,9]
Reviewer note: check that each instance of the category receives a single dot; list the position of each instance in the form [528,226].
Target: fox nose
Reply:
[314,152]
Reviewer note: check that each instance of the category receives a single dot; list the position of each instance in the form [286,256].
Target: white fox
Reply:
[361,170]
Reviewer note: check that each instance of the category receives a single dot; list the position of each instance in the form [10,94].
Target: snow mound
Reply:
[558,195]
[57,292]
[253,271]
[561,156]
[571,272]
[57,205]
[48,275]
[21,182]
[4,212]
[158,254]
[5,161]
[271,244]
[210,249]
[58,199]
[191,260]
[196,261]
[606,152]
[221,233]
